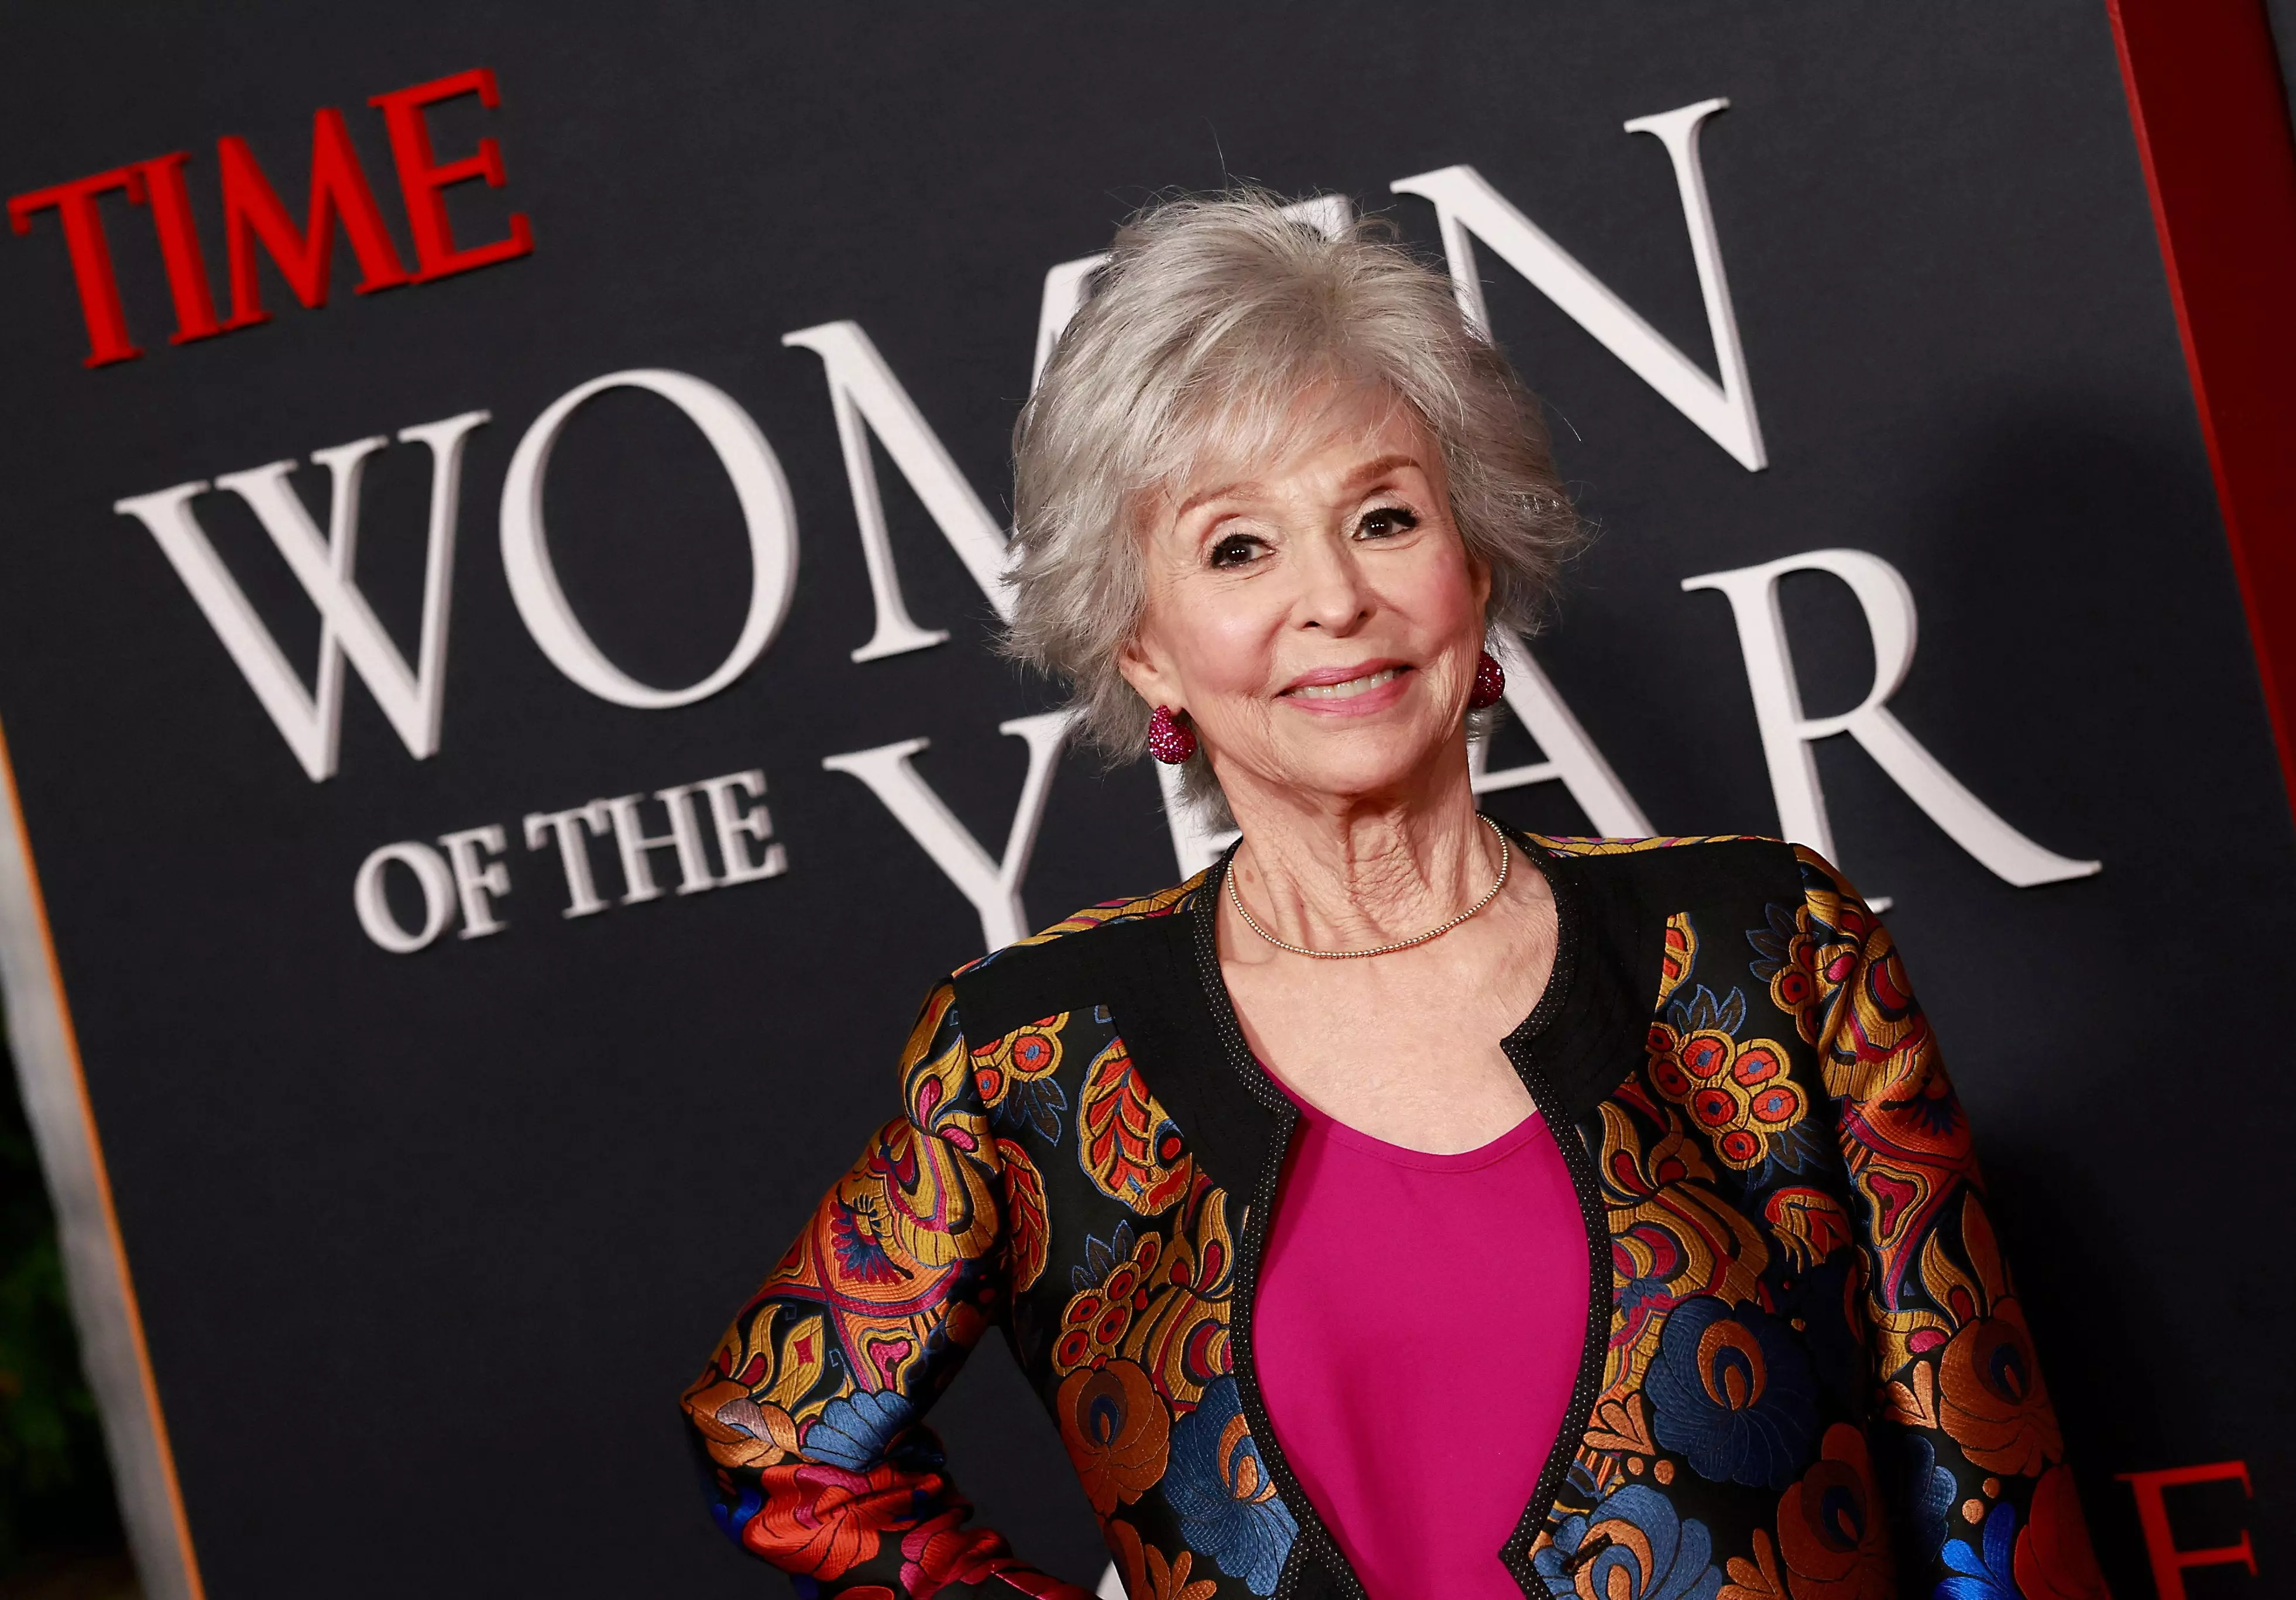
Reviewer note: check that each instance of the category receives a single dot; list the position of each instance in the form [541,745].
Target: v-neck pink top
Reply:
[1419,1432]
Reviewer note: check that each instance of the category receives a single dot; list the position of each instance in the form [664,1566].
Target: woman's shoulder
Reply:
[1104,914]
[1679,848]
[1125,945]
[1699,867]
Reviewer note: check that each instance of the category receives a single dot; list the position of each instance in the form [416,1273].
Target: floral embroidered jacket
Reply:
[1805,1371]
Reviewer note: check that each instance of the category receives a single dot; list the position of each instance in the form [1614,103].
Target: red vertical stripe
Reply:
[2204,93]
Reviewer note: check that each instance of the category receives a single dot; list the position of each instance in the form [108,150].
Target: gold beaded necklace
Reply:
[1236,900]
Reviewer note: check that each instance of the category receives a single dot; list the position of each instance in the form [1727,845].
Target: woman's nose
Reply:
[1333,594]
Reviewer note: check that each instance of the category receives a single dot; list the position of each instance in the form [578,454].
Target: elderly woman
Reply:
[1404,1207]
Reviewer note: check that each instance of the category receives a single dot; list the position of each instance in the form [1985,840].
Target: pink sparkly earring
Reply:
[1168,741]
[1490,684]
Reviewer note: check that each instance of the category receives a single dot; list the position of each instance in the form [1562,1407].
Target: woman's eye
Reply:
[1234,551]
[1386,522]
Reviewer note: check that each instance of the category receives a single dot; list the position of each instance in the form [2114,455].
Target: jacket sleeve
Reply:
[808,1418]
[1967,1447]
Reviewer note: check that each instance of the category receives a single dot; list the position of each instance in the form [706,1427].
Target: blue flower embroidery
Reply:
[1100,1259]
[1927,1499]
[1988,1577]
[1220,1489]
[852,1432]
[1632,1547]
[1034,1103]
[731,1519]
[1734,1392]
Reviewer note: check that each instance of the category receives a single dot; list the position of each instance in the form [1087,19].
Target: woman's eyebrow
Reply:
[1353,483]
[1214,493]
[1380,468]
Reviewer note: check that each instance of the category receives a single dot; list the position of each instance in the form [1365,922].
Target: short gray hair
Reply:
[1212,317]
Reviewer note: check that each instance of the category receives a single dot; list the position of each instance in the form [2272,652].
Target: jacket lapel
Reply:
[1168,1021]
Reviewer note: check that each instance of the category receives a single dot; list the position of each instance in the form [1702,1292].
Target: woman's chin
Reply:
[1371,770]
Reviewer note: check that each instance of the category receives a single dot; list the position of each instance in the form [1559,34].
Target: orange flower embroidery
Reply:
[1833,1530]
[1992,1401]
[1117,1431]
[1148,1575]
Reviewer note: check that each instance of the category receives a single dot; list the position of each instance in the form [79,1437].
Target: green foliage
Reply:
[56,1487]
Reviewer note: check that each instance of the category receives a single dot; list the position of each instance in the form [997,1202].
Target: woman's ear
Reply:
[1143,666]
[1478,572]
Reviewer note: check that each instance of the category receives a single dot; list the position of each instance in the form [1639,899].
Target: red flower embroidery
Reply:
[939,1553]
[2054,1559]
[823,1520]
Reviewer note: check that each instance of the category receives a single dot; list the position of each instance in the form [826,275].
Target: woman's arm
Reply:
[1966,1443]
[808,1417]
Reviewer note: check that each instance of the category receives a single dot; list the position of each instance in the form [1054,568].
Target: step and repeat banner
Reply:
[499,601]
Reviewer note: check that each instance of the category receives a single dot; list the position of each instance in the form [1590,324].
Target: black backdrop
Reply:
[425,1245]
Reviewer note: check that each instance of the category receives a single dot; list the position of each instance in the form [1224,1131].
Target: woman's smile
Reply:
[1349,691]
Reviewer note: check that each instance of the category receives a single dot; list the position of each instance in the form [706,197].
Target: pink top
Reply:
[1418,1422]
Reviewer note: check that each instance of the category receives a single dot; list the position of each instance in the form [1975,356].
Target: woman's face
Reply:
[1317,615]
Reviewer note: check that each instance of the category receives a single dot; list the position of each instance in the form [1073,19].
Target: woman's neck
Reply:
[1339,873]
